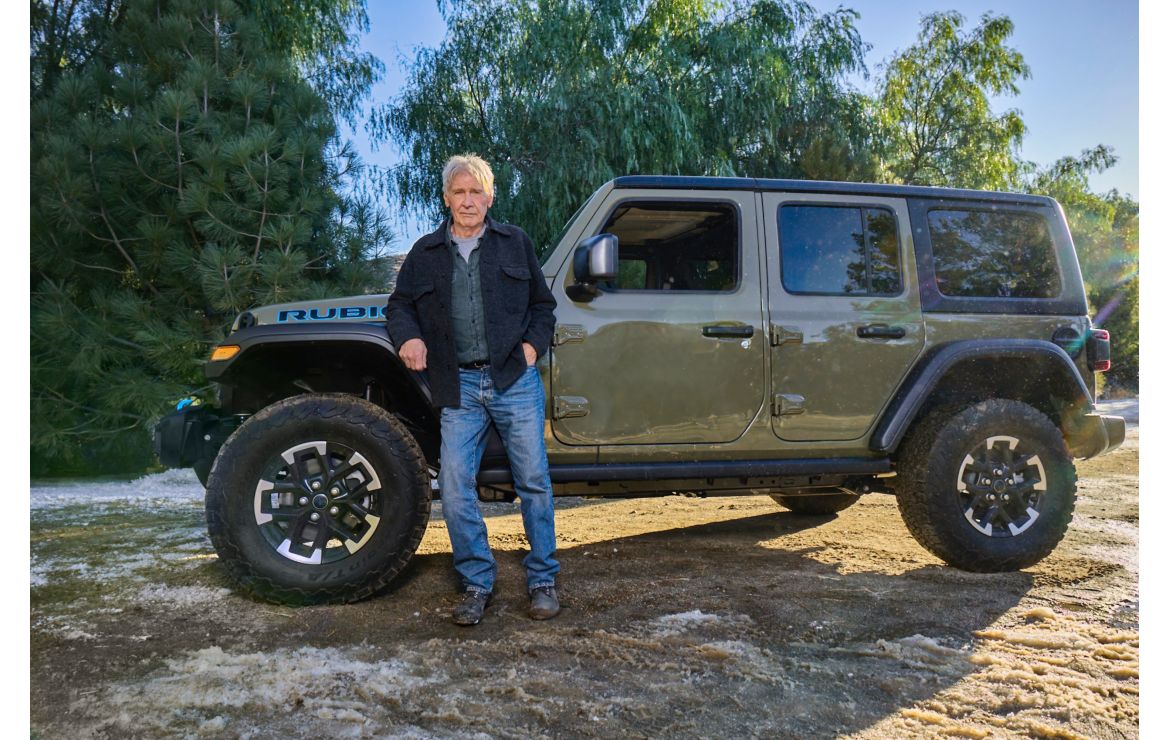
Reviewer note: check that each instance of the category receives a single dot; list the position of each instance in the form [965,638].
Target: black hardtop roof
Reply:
[682,182]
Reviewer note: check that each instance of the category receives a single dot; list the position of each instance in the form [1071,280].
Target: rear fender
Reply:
[1034,371]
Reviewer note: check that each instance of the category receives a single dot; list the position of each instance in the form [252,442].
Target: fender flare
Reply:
[926,377]
[372,337]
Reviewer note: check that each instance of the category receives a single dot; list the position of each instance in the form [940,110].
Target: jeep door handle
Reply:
[737,332]
[881,331]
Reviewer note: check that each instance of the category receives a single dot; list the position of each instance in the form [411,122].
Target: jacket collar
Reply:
[439,236]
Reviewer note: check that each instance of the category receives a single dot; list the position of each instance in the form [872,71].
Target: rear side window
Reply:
[676,245]
[839,250]
[993,254]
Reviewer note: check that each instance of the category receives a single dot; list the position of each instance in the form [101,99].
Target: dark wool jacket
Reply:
[517,306]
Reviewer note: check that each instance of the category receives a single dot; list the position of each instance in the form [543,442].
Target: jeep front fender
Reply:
[325,353]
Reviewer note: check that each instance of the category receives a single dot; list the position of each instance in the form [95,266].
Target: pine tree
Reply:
[184,174]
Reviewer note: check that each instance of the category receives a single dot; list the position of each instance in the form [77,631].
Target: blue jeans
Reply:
[518,414]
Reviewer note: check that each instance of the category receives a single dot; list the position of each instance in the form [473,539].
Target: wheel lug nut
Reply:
[316,485]
[303,500]
[333,511]
[334,491]
[314,516]
[997,471]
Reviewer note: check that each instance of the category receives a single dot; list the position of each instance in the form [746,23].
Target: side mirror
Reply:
[595,260]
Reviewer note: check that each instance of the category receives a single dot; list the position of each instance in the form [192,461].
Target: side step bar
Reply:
[701,469]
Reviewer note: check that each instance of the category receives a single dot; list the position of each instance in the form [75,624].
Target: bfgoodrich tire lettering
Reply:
[320,498]
[986,488]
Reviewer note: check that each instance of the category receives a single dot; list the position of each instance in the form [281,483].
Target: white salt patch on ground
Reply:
[735,649]
[67,627]
[169,489]
[213,726]
[917,650]
[327,682]
[742,659]
[43,571]
[183,595]
[184,547]
[676,624]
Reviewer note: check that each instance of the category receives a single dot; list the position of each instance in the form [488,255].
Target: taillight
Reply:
[1098,353]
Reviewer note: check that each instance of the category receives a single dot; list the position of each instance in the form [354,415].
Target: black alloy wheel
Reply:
[1000,486]
[988,487]
[319,498]
[318,502]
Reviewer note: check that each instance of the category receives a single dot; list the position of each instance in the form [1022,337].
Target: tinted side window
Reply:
[676,246]
[839,250]
[1005,254]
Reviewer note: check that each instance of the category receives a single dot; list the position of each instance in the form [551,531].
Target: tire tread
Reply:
[382,427]
[943,427]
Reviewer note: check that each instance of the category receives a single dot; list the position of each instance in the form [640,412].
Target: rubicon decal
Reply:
[330,314]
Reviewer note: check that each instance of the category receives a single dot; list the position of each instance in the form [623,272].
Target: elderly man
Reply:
[472,309]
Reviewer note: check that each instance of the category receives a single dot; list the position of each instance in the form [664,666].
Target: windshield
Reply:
[548,248]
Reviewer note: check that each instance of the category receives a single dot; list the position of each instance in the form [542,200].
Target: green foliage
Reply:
[1105,230]
[320,37]
[562,95]
[937,126]
[183,175]
[65,35]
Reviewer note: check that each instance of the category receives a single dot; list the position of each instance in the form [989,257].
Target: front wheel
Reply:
[987,488]
[319,498]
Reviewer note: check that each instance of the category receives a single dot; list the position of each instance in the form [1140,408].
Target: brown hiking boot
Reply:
[544,603]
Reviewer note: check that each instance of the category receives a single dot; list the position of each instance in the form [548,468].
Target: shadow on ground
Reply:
[738,626]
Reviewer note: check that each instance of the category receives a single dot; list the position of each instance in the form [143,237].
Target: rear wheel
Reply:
[319,498]
[815,504]
[987,488]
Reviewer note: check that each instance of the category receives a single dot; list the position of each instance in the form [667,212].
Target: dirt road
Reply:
[710,617]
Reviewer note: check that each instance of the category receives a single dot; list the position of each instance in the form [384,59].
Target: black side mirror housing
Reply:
[594,260]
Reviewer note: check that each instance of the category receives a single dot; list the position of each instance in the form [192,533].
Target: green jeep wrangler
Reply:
[812,341]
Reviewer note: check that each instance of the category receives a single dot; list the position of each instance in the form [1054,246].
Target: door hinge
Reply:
[785,404]
[785,335]
[566,407]
[566,333]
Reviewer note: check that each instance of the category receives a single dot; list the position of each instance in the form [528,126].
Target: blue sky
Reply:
[1083,55]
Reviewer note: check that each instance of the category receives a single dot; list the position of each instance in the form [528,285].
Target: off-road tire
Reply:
[817,504]
[935,502]
[234,500]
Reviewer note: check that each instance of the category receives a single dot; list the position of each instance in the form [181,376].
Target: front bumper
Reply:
[180,438]
[191,437]
[1096,435]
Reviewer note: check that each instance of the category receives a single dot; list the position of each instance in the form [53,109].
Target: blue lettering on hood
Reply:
[332,313]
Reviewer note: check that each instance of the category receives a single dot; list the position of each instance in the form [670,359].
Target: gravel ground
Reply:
[684,617]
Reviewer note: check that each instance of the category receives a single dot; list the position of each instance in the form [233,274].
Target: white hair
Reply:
[472,164]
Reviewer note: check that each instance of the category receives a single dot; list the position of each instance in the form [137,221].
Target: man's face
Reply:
[467,200]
